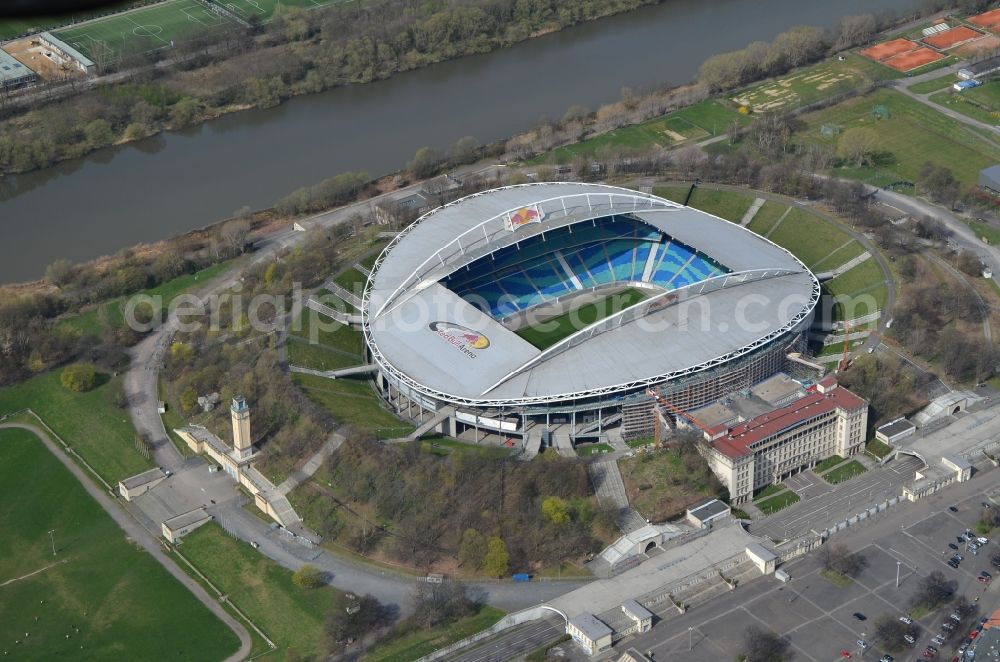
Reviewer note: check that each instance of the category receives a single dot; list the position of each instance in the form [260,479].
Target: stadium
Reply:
[550,313]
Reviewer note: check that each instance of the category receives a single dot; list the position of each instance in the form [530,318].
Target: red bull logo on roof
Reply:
[461,338]
[524,216]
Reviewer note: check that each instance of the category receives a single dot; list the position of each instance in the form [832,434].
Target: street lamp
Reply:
[690,639]
[53,540]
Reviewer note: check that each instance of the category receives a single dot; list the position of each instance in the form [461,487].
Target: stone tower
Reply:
[242,444]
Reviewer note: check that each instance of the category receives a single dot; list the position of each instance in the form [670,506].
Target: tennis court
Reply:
[951,38]
[914,59]
[146,29]
[887,49]
[990,19]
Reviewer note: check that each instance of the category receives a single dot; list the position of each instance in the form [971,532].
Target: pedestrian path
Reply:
[754,208]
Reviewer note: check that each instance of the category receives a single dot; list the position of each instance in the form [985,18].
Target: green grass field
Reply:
[845,472]
[547,333]
[696,122]
[985,231]
[827,463]
[857,279]
[15,27]
[413,645]
[318,342]
[730,205]
[912,135]
[842,254]
[811,84]
[981,103]
[143,30]
[290,616]
[586,450]
[107,599]
[111,314]
[775,503]
[444,446]
[97,430]
[933,85]
[860,291]
[351,280]
[808,237]
[766,217]
[353,402]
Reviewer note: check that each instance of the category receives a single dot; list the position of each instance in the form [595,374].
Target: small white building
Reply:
[177,527]
[139,484]
[895,430]
[703,515]
[642,618]
[763,558]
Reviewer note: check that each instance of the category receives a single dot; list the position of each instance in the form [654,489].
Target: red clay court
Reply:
[914,59]
[888,49]
[990,19]
[951,38]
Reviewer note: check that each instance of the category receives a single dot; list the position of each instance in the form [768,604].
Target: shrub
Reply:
[79,377]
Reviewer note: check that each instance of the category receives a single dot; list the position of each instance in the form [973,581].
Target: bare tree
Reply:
[761,645]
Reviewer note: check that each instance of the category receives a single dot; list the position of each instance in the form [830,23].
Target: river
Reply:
[178,181]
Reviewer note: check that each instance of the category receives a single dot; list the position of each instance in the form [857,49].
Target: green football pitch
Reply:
[161,25]
[547,333]
[100,596]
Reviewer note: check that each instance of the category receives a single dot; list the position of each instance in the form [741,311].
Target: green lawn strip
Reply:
[674,193]
[290,616]
[856,279]
[775,503]
[981,103]
[353,402]
[985,231]
[878,448]
[933,85]
[547,333]
[124,603]
[808,237]
[447,446]
[844,472]
[314,328]
[769,490]
[730,205]
[840,255]
[111,314]
[766,217]
[586,450]
[413,645]
[351,280]
[93,427]
[304,354]
[693,123]
[330,299]
[172,419]
[835,578]
[909,137]
[643,441]
[827,464]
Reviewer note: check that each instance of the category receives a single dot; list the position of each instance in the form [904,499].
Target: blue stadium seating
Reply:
[602,252]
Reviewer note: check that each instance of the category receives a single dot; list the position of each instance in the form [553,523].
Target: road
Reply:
[142,389]
[903,84]
[143,537]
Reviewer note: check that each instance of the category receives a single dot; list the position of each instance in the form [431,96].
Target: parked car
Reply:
[953,509]
[953,546]
[906,619]
[947,626]
[938,639]
[861,617]
[955,617]
[953,563]
[885,658]
[983,541]
[908,638]
[863,645]
[958,557]
[985,574]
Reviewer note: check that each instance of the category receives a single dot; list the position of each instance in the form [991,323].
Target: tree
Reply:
[889,632]
[555,510]
[932,591]
[425,163]
[189,400]
[761,645]
[465,150]
[349,620]
[184,112]
[857,145]
[79,377]
[233,235]
[98,133]
[60,272]
[855,30]
[969,263]
[435,604]
[837,558]
[496,559]
[472,551]
[309,576]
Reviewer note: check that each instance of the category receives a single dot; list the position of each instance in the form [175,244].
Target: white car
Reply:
[909,639]
[983,541]
[862,645]
[906,619]
[938,640]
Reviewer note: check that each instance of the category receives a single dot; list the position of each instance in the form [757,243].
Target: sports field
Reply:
[104,598]
[981,103]
[951,38]
[990,19]
[912,134]
[143,30]
[547,333]
[888,49]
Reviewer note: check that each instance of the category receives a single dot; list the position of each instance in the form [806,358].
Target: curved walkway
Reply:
[143,537]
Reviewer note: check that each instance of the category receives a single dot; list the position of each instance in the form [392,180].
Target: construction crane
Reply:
[845,358]
[677,411]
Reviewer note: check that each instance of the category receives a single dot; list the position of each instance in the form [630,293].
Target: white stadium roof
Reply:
[767,293]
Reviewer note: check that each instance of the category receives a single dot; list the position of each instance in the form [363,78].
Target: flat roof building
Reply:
[894,431]
[177,527]
[14,74]
[139,484]
[706,513]
[767,449]
[589,633]
[641,617]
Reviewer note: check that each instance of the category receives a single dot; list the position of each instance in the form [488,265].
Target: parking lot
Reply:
[817,617]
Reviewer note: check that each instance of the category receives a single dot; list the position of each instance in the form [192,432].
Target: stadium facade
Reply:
[720,310]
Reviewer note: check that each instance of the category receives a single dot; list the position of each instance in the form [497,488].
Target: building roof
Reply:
[11,69]
[139,480]
[67,49]
[777,389]
[186,519]
[737,441]
[761,552]
[653,341]
[635,610]
[590,626]
[706,511]
[898,426]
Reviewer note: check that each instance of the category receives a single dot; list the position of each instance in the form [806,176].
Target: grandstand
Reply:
[447,298]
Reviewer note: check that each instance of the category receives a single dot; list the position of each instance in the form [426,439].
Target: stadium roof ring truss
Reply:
[425,336]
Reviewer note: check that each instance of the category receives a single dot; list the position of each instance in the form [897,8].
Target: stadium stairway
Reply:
[442,414]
